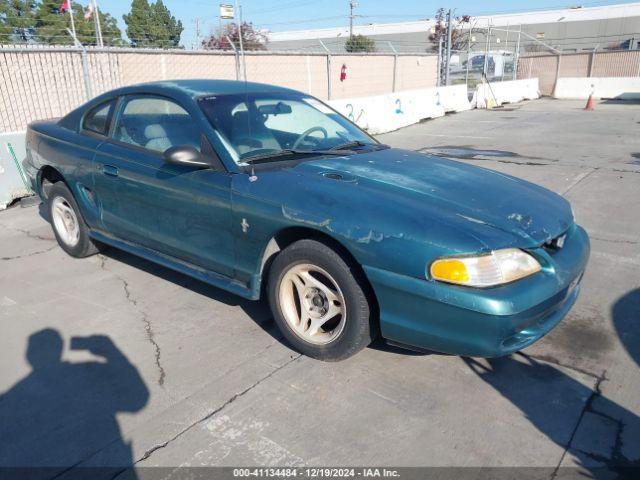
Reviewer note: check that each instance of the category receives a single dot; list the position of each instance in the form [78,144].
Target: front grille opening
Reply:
[555,244]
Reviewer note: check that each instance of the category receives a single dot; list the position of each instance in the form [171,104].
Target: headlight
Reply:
[501,266]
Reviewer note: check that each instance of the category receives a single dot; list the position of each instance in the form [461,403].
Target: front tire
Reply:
[319,302]
[68,225]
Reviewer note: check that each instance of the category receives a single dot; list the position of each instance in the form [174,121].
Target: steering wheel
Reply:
[308,132]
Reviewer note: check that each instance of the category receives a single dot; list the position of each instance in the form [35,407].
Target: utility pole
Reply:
[352,5]
[197,23]
[447,65]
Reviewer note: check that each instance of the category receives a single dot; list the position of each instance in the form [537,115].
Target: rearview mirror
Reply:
[279,108]
[184,155]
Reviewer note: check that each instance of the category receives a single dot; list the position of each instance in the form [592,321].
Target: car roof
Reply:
[200,87]
[180,90]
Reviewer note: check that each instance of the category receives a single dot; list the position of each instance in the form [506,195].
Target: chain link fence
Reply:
[46,82]
[496,54]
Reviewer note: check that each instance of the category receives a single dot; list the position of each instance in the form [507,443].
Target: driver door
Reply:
[180,211]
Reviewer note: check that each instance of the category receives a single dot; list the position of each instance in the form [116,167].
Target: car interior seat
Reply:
[157,138]
[249,132]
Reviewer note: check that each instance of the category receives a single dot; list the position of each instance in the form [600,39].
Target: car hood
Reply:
[470,193]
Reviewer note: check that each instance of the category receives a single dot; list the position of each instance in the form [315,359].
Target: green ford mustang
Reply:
[266,191]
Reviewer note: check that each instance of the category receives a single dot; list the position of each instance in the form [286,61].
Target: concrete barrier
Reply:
[512,91]
[384,113]
[13,181]
[623,88]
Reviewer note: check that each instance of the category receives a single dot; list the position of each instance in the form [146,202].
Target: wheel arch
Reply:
[285,237]
[47,176]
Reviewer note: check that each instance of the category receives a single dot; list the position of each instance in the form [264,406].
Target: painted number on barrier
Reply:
[350,114]
[399,107]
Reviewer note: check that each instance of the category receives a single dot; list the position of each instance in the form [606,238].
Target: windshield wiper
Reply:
[358,143]
[289,151]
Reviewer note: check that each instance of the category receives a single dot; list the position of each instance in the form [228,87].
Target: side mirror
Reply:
[184,155]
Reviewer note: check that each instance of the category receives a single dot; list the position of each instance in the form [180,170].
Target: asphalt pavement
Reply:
[112,360]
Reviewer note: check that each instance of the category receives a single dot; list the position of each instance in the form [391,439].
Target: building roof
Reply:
[575,14]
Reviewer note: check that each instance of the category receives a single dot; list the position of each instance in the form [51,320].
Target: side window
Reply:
[98,119]
[156,124]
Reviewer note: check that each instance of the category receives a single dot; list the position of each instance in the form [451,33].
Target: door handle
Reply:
[110,170]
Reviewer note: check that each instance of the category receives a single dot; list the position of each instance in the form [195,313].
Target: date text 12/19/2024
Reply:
[315,472]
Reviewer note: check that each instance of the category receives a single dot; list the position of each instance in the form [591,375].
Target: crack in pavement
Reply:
[26,255]
[553,360]
[145,319]
[617,460]
[214,412]
[121,470]
[596,392]
[611,240]
[579,180]
[31,235]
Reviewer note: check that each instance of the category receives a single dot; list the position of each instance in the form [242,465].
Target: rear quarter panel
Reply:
[71,154]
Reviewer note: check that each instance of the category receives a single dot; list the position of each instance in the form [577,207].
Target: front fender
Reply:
[384,235]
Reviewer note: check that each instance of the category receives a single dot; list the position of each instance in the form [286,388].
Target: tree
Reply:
[86,30]
[17,20]
[360,43]
[52,26]
[458,42]
[152,25]
[252,39]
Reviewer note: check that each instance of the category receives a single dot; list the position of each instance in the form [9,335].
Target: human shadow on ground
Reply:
[63,413]
[570,413]
[626,320]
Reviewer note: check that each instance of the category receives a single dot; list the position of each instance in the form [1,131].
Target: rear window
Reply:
[98,119]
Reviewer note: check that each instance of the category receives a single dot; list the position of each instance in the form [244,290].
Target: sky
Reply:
[311,14]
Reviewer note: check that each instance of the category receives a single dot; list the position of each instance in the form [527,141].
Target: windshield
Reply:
[253,125]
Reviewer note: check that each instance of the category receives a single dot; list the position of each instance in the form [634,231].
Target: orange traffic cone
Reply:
[589,105]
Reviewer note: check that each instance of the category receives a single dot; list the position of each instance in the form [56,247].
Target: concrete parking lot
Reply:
[112,360]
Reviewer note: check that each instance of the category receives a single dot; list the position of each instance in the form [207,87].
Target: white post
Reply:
[73,25]
[439,81]
[485,67]
[592,60]
[517,58]
[506,44]
[96,23]
[448,59]
[239,23]
[395,66]
[328,68]
[466,78]
[235,54]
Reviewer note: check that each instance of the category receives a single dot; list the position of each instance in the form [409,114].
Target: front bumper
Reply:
[488,322]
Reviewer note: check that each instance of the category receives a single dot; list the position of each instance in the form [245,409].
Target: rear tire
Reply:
[319,302]
[67,223]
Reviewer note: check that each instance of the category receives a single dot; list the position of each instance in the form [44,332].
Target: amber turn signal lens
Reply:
[450,271]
